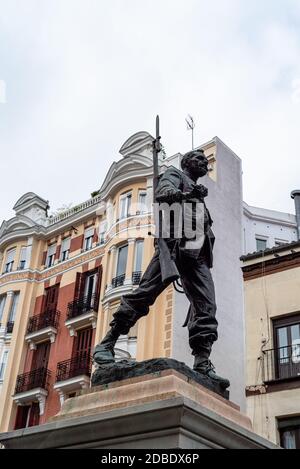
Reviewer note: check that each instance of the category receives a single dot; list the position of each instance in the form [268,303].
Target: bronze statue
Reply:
[176,256]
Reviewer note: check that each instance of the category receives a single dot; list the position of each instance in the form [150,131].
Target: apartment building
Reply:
[62,278]
[272,311]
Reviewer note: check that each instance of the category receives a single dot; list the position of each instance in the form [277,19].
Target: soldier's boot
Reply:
[104,352]
[203,365]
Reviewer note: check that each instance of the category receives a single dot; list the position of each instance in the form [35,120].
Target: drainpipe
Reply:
[296,196]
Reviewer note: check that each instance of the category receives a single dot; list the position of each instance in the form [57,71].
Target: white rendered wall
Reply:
[269,225]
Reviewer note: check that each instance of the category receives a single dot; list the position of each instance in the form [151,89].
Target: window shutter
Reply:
[44,258]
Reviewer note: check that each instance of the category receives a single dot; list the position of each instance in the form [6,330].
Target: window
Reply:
[88,238]
[51,255]
[3,364]
[289,430]
[142,206]
[23,258]
[90,289]
[13,308]
[261,244]
[125,204]
[10,258]
[2,305]
[122,260]
[65,249]
[102,232]
[287,347]
[139,248]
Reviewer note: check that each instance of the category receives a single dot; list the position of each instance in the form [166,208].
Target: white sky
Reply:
[81,76]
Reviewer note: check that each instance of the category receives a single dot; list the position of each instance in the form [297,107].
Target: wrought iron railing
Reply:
[118,281]
[46,319]
[22,265]
[83,305]
[136,278]
[8,267]
[80,364]
[281,363]
[10,327]
[38,378]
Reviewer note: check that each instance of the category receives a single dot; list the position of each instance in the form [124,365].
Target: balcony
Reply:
[136,278]
[42,327]
[281,364]
[118,281]
[73,374]
[10,327]
[82,312]
[32,387]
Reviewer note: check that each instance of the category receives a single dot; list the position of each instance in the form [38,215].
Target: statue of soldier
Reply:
[193,263]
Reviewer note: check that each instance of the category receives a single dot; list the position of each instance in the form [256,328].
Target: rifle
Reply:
[169,271]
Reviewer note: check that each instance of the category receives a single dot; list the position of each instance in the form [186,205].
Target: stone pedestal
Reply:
[162,410]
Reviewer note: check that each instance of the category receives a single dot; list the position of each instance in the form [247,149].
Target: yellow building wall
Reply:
[267,298]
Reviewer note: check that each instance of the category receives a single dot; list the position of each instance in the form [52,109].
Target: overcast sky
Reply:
[81,76]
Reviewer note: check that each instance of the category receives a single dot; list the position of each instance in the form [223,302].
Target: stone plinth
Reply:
[163,410]
[125,369]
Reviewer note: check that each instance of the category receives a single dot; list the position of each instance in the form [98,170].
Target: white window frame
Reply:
[88,238]
[3,364]
[65,249]
[23,258]
[14,307]
[262,239]
[138,243]
[2,305]
[10,259]
[125,205]
[118,257]
[102,232]
[142,207]
[51,255]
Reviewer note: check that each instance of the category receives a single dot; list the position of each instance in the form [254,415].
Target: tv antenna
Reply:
[190,126]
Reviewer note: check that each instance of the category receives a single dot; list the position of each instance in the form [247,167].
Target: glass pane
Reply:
[13,310]
[2,305]
[23,254]
[295,332]
[142,203]
[139,256]
[122,261]
[289,440]
[282,335]
[261,244]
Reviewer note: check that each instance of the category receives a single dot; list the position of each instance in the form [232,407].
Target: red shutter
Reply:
[44,258]
[79,285]
[57,254]
[96,237]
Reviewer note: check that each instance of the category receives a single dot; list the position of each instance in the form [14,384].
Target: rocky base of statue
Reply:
[126,369]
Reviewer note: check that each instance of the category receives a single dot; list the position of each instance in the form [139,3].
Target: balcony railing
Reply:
[46,319]
[38,378]
[83,305]
[81,364]
[118,281]
[281,363]
[136,278]
[8,267]
[10,327]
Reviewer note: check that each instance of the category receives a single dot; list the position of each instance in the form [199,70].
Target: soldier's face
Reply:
[198,165]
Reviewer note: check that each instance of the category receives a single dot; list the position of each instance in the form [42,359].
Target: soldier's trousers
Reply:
[198,286]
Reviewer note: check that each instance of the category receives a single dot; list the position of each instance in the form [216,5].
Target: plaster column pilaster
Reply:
[111,267]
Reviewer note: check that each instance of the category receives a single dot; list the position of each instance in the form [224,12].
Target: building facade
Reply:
[62,278]
[272,311]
